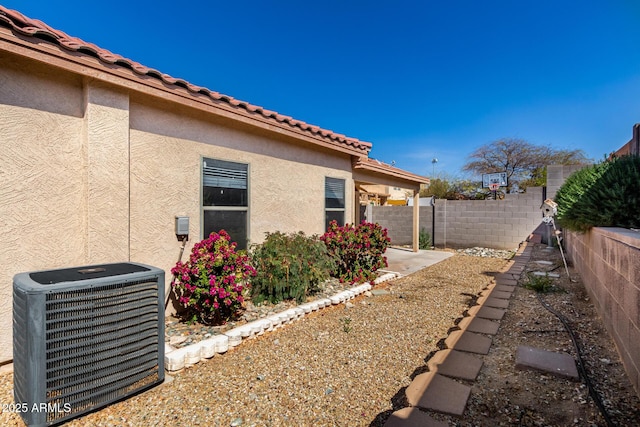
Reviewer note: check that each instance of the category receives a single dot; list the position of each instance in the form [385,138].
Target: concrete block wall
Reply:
[499,224]
[398,220]
[557,175]
[608,260]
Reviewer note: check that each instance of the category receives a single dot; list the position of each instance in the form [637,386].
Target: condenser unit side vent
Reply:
[82,344]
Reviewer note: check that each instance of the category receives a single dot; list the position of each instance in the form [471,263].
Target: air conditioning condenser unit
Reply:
[85,337]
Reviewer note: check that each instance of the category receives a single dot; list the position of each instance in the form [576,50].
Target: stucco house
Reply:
[100,154]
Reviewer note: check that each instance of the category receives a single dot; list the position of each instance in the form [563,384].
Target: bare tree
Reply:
[524,163]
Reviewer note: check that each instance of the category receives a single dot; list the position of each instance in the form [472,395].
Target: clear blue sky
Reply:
[418,79]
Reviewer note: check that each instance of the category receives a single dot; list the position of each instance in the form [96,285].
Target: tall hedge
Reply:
[603,195]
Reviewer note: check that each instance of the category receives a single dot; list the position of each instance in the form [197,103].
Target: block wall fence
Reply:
[499,224]
[608,260]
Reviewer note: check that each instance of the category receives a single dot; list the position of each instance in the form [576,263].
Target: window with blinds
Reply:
[225,190]
[334,200]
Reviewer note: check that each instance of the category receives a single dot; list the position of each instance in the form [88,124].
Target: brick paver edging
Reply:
[464,349]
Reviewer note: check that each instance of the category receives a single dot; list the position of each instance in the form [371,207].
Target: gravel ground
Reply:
[339,366]
[349,366]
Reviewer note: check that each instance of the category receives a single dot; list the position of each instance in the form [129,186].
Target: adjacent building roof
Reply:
[35,32]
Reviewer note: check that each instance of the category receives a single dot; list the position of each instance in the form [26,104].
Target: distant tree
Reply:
[524,163]
[454,189]
[439,187]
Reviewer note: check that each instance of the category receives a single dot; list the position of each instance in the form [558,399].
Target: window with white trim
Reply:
[334,196]
[225,199]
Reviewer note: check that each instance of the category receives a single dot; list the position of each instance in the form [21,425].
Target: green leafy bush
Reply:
[358,250]
[541,284]
[210,284]
[289,266]
[604,195]
[424,239]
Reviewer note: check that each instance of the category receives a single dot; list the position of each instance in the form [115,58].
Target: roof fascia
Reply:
[368,171]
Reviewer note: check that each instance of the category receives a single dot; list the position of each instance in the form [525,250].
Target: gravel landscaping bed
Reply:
[337,366]
[179,333]
[349,366]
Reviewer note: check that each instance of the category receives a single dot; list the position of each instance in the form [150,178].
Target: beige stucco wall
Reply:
[93,174]
[42,186]
[106,136]
[286,182]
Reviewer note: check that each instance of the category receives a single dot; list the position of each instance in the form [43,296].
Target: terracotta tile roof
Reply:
[33,28]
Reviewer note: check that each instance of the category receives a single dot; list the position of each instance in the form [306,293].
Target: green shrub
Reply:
[210,284]
[357,250]
[424,239]
[604,195]
[541,284]
[288,266]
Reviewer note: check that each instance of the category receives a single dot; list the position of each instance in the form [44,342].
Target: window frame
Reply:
[343,209]
[230,208]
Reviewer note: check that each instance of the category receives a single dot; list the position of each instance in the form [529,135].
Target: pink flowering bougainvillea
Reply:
[358,250]
[210,284]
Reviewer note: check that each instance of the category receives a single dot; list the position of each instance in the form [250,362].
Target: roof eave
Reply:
[176,90]
[370,165]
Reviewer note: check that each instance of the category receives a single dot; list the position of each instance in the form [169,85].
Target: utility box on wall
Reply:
[85,337]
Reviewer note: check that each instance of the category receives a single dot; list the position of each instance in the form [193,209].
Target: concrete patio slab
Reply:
[455,364]
[558,364]
[405,261]
[412,417]
[469,342]
[487,312]
[479,325]
[438,393]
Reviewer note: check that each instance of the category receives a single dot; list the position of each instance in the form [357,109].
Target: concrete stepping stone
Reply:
[479,325]
[380,292]
[543,262]
[412,417]
[558,364]
[469,342]
[455,364]
[438,393]
[493,302]
[487,312]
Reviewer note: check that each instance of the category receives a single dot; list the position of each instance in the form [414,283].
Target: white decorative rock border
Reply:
[179,358]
